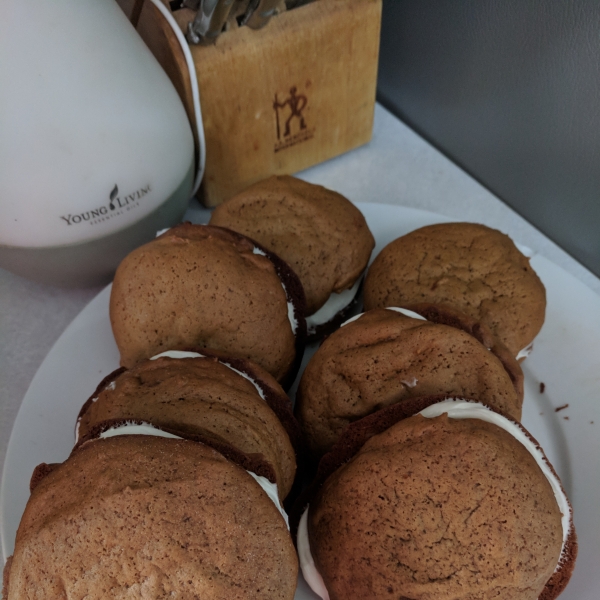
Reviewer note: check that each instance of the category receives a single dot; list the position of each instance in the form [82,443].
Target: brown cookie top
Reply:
[317,231]
[470,267]
[447,315]
[386,358]
[204,286]
[437,508]
[148,516]
[203,399]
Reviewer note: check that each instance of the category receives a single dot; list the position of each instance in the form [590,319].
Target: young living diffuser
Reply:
[96,150]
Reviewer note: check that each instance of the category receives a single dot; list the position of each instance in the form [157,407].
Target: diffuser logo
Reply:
[117,205]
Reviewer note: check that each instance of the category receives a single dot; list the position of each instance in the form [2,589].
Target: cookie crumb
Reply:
[542,387]
[566,418]
[559,408]
[591,422]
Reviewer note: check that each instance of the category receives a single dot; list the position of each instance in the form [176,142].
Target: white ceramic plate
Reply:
[566,358]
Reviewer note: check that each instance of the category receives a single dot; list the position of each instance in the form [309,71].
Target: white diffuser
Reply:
[96,150]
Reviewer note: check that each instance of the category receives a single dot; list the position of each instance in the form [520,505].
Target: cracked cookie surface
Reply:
[384,358]
[437,508]
[467,266]
[147,517]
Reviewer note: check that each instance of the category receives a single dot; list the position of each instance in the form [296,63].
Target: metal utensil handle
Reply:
[209,21]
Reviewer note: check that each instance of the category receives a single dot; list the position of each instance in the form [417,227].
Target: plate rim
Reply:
[365,207]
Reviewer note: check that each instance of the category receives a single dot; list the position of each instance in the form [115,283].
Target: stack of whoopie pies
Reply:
[185,455]
[427,485]
[421,482]
[174,488]
[319,233]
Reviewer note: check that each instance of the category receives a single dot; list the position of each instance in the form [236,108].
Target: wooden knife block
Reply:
[282,98]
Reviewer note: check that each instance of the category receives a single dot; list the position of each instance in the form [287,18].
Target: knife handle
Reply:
[262,12]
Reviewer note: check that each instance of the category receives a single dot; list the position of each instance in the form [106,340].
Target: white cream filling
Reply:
[260,391]
[307,563]
[290,306]
[177,354]
[335,303]
[456,409]
[271,490]
[161,231]
[184,354]
[404,311]
[352,319]
[525,352]
[291,312]
[131,428]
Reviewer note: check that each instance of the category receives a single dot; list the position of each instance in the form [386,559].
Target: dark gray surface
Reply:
[511,92]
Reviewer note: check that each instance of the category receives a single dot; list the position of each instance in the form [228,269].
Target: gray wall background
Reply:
[509,90]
